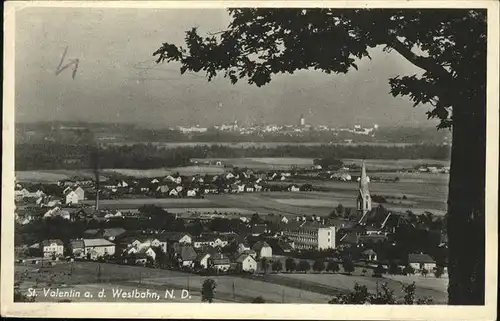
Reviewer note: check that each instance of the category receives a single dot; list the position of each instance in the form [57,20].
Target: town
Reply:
[123,224]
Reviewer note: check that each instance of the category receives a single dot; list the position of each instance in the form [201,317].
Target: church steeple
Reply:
[364,201]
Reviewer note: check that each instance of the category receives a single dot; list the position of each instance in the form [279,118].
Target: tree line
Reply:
[146,156]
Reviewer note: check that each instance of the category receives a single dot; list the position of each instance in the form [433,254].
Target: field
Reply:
[261,163]
[417,192]
[161,172]
[169,145]
[380,164]
[84,276]
[420,197]
[52,175]
[430,287]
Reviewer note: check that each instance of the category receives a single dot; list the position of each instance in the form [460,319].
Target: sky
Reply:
[117,80]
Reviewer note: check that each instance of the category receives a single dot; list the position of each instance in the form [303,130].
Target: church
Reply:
[364,201]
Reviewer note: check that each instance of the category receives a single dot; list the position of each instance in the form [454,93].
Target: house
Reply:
[293,188]
[421,261]
[191,193]
[71,197]
[122,184]
[163,189]
[96,248]
[176,237]
[202,260]
[246,263]
[262,249]
[107,233]
[258,229]
[77,247]
[52,248]
[185,253]
[210,240]
[369,255]
[219,262]
[243,247]
[173,192]
[154,181]
[80,192]
[279,247]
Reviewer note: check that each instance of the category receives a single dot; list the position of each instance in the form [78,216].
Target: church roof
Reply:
[363,181]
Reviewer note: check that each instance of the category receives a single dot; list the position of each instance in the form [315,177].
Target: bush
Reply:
[360,295]
[258,299]
[379,270]
[394,269]
[439,271]
[408,270]
[348,266]
[208,290]
[332,267]
[319,265]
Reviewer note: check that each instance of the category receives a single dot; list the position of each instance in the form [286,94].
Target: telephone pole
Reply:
[234,296]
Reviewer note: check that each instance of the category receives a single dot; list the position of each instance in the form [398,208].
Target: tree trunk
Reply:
[466,211]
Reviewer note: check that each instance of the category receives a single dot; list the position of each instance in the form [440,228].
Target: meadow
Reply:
[432,287]
[84,275]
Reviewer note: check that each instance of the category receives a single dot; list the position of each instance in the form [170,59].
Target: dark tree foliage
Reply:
[332,266]
[145,156]
[262,42]
[290,265]
[348,266]
[361,295]
[277,266]
[208,290]
[318,265]
[303,266]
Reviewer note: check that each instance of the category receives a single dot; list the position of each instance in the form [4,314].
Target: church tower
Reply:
[364,202]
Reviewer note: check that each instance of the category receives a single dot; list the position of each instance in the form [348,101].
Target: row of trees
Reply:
[144,156]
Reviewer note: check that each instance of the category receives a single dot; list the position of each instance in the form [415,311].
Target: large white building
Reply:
[311,235]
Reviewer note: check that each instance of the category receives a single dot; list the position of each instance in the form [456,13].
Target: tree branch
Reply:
[422,62]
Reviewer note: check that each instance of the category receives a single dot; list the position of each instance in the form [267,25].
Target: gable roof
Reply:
[186,252]
[49,242]
[77,244]
[97,242]
[259,245]
[420,258]
[242,257]
[172,236]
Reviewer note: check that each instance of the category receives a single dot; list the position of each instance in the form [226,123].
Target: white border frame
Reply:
[230,310]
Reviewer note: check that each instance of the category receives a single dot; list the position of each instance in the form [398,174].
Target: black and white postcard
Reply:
[330,160]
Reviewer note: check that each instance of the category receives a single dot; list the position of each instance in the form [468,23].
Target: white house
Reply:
[173,192]
[191,193]
[262,249]
[80,192]
[294,188]
[52,247]
[96,248]
[202,260]
[421,261]
[246,263]
[71,197]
